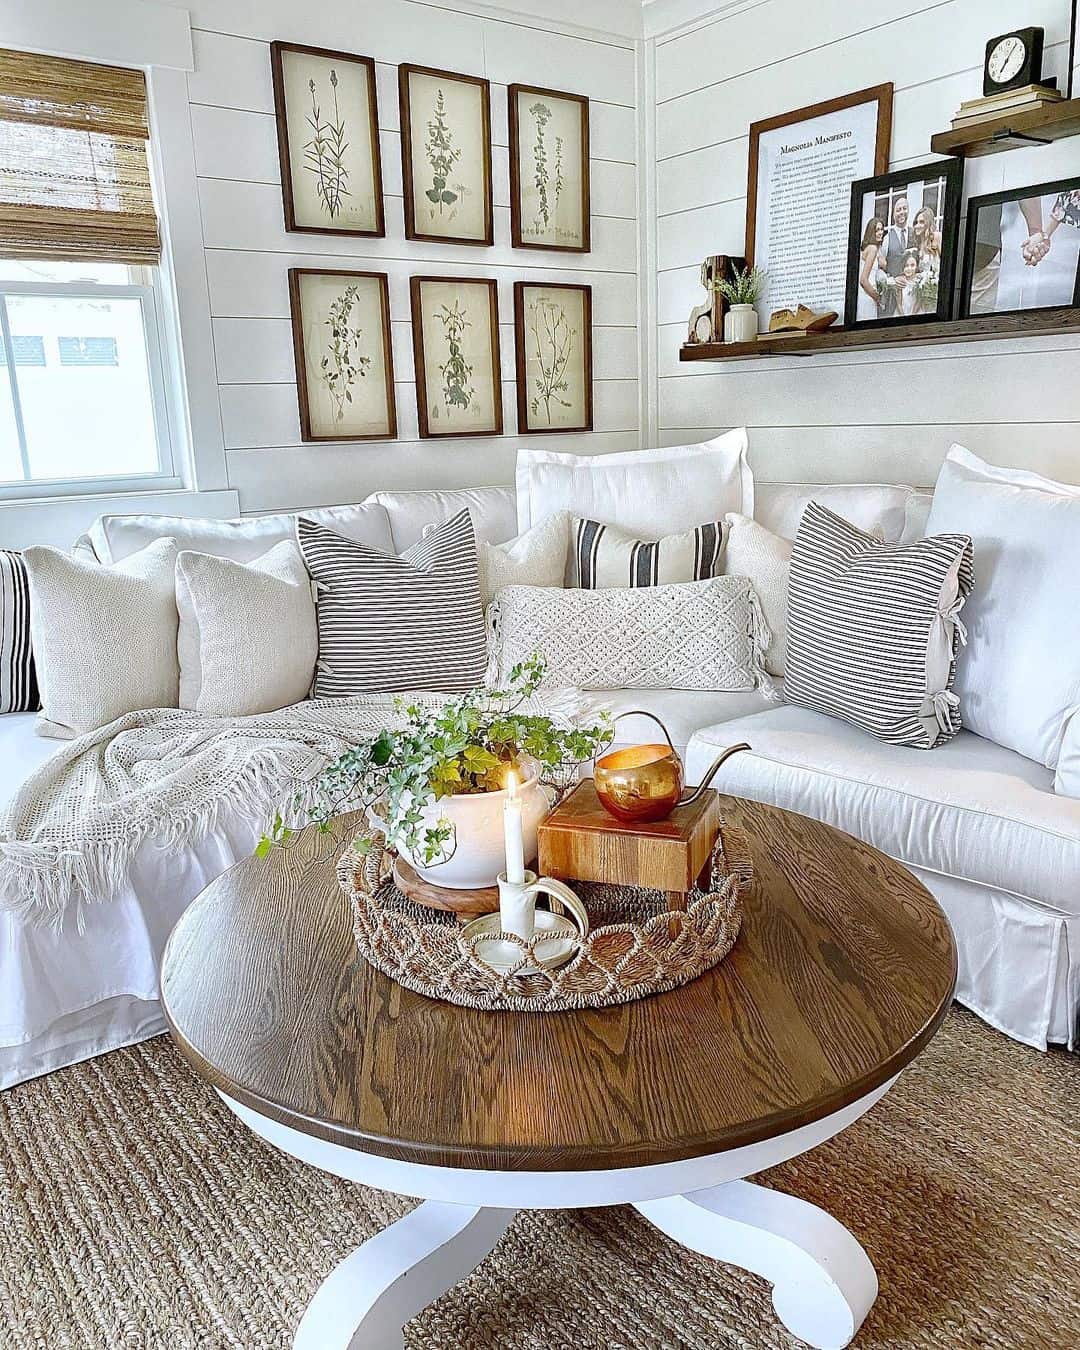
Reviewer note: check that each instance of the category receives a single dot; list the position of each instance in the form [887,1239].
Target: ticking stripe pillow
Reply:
[389,623]
[18,678]
[873,628]
[604,556]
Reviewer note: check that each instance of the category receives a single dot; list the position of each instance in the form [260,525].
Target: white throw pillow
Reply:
[535,558]
[698,635]
[648,492]
[755,552]
[1018,679]
[104,636]
[603,555]
[247,639]
[115,537]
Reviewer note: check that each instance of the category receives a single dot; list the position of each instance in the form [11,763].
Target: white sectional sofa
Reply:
[978,824]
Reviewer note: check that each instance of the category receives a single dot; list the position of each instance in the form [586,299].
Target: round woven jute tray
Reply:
[636,945]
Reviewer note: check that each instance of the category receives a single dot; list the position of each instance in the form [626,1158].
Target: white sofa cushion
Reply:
[104,636]
[247,639]
[972,809]
[682,711]
[492,510]
[884,509]
[647,492]
[1019,677]
[750,550]
[114,538]
[1067,777]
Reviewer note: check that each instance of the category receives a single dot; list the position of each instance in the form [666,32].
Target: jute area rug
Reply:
[138,1214]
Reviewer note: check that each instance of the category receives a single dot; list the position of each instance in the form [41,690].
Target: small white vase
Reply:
[479,854]
[741,324]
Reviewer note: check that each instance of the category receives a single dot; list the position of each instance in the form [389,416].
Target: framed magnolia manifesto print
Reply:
[327,116]
[455,323]
[344,359]
[553,337]
[802,165]
[446,155]
[549,169]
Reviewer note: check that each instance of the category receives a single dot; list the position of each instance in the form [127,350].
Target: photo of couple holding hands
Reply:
[900,254]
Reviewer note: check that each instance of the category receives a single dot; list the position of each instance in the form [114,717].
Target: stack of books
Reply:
[977,110]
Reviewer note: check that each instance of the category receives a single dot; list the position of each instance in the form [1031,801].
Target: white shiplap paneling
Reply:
[847,416]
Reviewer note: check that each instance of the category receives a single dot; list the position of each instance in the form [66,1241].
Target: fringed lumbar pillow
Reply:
[18,677]
[700,635]
[873,628]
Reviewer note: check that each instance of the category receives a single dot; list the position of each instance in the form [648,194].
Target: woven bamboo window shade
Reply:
[74,175]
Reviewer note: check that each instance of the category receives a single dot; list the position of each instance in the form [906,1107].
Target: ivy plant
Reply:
[466,745]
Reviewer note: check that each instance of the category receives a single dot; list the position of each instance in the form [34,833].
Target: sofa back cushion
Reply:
[114,538]
[878,508]
[1019,676]
[492,510]
[648,493]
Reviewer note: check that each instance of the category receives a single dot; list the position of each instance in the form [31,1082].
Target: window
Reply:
[82,387]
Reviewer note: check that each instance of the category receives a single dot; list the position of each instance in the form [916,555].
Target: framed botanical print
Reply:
[553,334]
[549,169]
[455,324]
[328,140]
[344,359]
[1023,250]
[446,155]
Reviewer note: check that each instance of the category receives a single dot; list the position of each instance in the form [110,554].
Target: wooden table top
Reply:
[843,971]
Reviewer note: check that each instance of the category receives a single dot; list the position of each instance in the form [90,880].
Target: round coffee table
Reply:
[842,973]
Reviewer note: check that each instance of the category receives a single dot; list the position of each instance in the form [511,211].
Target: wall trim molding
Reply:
[619,19]
[665,20]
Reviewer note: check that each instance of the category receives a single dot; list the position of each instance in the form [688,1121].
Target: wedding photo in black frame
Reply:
[903,241]
[1022,251]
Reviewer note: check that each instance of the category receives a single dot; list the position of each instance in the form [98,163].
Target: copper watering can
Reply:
[645,782]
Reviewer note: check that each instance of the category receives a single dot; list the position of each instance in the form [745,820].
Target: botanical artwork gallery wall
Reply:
[856,415]
[249,253]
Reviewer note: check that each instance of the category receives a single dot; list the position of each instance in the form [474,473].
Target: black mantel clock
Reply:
[1013,60]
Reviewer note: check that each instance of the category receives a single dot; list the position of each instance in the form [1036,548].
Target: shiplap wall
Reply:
[248,252]
[854,416]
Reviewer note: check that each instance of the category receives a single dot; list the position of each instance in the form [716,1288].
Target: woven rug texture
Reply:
[139,1214]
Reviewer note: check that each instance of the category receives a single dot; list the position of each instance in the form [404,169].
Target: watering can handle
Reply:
[714,767]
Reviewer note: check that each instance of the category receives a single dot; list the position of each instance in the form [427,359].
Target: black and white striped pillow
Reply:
[605,556]
[18,678]
[873,628]
[389,623]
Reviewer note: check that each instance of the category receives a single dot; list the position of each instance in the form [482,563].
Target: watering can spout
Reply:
[714,769]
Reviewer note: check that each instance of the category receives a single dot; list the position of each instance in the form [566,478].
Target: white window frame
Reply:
[166,476]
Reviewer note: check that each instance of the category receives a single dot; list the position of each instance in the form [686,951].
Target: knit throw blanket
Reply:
[70,833]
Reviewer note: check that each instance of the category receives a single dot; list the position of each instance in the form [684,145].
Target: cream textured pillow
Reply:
[755,552]
[647,492]
[535,558]
[104,636]
[247,638]
[698,635]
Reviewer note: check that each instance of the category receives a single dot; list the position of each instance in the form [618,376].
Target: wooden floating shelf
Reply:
[984,328]
[1035,126]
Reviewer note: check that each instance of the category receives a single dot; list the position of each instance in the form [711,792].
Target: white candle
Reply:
[512,833]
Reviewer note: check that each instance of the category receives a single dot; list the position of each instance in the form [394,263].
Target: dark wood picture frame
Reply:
[282,120]
[971,242]
[411,229]
[882,94]
[299,356]
[952,170]
[520,356]
[416,285]
[512,93]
